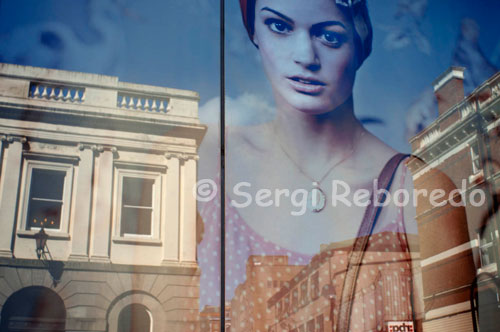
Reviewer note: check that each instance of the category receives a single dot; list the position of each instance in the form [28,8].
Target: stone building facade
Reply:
[107,169]
[460,153]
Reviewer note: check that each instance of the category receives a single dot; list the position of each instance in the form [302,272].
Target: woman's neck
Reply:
[317,141]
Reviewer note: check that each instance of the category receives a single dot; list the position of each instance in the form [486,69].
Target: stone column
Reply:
[101,218]
[170,222]
[9,190]
[83,204]
[188,210]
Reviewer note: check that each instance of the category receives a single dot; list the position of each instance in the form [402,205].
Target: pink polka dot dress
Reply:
[276,289]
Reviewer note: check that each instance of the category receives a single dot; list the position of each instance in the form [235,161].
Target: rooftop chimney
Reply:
[449,88]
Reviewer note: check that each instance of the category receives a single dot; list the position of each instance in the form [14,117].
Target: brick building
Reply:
[210,318]
[106,169]
[309,301]
[265,276]
[459,244]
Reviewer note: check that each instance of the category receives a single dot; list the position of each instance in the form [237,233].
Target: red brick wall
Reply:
[450,94]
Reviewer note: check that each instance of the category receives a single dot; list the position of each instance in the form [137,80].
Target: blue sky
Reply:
[176,44]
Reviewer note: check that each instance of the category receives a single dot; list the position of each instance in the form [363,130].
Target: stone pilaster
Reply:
[188,210]
[9,190]
[83,204]
[170,225]
[103,204]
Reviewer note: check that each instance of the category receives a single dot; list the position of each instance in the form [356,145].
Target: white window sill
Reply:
[477,178]
[148,241]
[491,268]
[53,234]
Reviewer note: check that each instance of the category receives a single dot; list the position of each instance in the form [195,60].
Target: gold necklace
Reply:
[316,197]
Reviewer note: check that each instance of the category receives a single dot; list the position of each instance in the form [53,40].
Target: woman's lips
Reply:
[306,85]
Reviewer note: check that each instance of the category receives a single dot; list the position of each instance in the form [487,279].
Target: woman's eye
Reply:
[330,38]
[278,26]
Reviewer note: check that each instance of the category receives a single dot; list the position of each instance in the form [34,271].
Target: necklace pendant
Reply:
[316,198]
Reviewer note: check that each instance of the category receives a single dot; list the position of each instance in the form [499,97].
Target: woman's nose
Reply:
[304,52]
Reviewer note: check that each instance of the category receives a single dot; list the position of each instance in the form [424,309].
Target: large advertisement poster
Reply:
[249,165]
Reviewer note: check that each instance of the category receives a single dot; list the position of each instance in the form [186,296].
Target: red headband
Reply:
[244,14]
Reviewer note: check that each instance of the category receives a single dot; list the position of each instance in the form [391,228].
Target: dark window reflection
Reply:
[137,206]
[46,198]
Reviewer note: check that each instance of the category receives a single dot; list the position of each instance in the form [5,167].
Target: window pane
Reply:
[47,184]
[136,221]
[137,191]
[320,324]
[45,203]
[310,325]
[44,213]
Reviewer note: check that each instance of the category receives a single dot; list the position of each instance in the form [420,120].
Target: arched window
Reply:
[135,318]
[33,309]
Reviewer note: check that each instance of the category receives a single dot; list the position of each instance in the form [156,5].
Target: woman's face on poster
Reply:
[308,52]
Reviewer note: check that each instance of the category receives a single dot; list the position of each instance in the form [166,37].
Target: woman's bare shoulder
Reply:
[255,137]
[242,143]
[372,154]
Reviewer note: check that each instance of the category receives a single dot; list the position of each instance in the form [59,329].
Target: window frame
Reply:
[66,166]
[483,248]
[314,285]
[475,158]
[142,173]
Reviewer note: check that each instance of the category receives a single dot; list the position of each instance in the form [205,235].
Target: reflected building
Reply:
[265,275]
[106,170]
[310,301]
[460,153]
[210,318]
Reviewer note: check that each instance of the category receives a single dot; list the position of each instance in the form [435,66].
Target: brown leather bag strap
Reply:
[365,230]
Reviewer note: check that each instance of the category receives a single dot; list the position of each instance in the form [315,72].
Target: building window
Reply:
[46,198]
[315,286]
[320,324]
[47,195]
[138,204]
[295,299]
[486,248]
[303,293]
[474,153]
[286,306]
[310,325]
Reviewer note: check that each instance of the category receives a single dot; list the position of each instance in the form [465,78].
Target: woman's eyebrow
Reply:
[278,14]
[329,23]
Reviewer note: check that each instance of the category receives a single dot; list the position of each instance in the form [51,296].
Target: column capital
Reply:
[83,146]
[13,138]
[102,148]
[181,156]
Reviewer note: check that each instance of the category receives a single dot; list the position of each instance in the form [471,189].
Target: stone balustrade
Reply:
[142,102]
[47,91]
[430,137]
[489,91]
[466,108]
[103,94]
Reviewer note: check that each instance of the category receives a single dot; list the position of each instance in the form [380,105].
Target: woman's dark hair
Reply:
[356,10]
